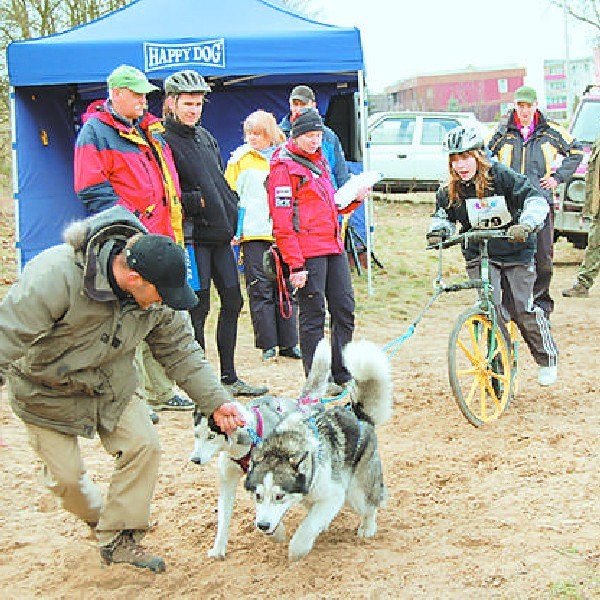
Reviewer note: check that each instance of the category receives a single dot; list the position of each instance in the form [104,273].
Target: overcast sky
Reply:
[403,38]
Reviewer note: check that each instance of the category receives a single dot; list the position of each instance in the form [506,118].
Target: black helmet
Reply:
[460,139]
[185,82]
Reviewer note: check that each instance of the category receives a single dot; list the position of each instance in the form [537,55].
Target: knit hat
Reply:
[525,94]
[160,261]
[130,78]
[307,119]
[303,93]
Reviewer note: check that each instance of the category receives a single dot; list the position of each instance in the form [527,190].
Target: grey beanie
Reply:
[308,119]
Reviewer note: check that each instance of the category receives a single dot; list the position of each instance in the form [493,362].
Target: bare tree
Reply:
[586,11]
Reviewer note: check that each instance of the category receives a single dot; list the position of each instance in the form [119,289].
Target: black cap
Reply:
[307,119]
[160,261]
[303,93]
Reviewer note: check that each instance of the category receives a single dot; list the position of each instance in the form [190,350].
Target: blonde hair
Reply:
[264,122]
[483,178]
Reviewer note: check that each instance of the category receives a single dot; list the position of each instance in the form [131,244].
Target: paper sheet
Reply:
[347,193]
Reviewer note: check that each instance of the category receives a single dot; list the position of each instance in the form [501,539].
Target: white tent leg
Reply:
[15,173]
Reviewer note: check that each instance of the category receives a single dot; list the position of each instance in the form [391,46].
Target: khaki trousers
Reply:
[134,444]
[156,387]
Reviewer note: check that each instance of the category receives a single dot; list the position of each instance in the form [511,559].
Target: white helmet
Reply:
[460,139]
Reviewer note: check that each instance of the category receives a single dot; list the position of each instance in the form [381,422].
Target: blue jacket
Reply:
[332,151]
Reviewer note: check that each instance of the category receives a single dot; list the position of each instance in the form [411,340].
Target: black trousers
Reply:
[271,328]
[328,280]
[544,257]
[217,263]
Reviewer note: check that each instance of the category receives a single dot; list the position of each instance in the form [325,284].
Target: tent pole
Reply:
[363,103]
[15,174]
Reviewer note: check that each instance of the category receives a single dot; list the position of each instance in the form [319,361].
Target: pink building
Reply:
[487,93]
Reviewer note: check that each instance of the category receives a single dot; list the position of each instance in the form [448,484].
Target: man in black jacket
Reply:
[528,143]
[210,209]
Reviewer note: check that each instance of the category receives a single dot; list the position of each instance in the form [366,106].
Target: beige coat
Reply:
[591,206]
[67,343]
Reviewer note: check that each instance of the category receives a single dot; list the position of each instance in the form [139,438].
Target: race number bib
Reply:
[488,213]
[283,196]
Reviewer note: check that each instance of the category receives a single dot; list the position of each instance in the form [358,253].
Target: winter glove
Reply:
[436,236]
[519,232]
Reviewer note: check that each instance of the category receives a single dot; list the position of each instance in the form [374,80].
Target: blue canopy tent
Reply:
[251,52]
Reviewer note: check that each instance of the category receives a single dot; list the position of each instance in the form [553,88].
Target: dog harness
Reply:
[255,436]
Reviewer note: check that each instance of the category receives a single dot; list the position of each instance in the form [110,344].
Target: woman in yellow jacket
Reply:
[246,173]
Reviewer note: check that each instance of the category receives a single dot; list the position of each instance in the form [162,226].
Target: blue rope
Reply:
[253,435]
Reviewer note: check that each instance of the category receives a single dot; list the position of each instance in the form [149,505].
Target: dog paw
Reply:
[216,553]
[299,548]
[367,528]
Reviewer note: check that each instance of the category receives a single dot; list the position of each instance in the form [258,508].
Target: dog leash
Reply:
[255,436]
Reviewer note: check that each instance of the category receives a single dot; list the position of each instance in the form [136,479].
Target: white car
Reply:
[407,147]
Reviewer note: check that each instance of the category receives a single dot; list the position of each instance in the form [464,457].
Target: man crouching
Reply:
[69,328]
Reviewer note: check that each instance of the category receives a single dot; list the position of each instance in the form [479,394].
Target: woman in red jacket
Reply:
[307,231]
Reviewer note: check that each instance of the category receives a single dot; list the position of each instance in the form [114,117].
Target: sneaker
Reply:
[577,291]
[124,549]
[241,388]
[153,415]
[176,402]
[269,353]
[293,352]
[547,375]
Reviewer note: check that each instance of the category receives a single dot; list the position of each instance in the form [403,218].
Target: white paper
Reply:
[347,193]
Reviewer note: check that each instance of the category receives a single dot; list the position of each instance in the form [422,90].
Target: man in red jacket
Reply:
[121,157]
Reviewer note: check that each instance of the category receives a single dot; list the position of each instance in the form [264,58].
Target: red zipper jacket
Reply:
[302,206]
[114,164]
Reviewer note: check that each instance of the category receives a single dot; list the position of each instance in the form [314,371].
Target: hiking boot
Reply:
[547,375]
[337,389]
[577,291]
[153,415]
[293,352]
[241,388]
[176,402]
[124,549]
[269,353]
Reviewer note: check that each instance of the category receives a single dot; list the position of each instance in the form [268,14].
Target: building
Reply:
[581,74]
[486,92]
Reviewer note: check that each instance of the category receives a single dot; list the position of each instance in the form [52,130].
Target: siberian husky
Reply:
[261,417]
[327,458]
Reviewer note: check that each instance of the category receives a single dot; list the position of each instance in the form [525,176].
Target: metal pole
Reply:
[364,105]
[15,175]
[567,62]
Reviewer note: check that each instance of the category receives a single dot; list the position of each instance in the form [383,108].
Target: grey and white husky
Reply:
[261,417]
[327,458]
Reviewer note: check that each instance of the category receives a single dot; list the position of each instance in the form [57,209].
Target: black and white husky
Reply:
[261,417]
[326,458]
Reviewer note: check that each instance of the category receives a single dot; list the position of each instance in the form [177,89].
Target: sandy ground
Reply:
[509,510]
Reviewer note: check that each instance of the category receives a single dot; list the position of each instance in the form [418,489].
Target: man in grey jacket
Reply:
[69,328]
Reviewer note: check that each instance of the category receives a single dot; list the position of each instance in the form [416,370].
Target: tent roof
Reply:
[221,39]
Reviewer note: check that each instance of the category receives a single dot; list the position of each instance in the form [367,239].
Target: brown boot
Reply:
[124,549]
[577,291]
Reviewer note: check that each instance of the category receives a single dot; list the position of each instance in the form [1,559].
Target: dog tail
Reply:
[315,386]
[372,394]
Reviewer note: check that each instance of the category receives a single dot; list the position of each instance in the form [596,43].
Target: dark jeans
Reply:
[217,263]
[271,328]
[328,279]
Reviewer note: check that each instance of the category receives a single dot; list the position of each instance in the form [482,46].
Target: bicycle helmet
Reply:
[460,139]
[185,82]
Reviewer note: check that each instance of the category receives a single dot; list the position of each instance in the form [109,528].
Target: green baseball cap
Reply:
[525,94]
[131,78]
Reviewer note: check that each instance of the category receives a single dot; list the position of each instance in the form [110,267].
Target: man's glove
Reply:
[519,232]
[436,236]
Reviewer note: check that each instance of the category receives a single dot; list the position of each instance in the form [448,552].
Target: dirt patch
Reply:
[509,510]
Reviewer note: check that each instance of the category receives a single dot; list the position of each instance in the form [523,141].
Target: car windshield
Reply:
[586,127]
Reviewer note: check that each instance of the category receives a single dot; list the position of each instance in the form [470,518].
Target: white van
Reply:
[407,147]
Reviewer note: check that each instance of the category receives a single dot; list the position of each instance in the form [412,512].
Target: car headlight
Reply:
[576,191]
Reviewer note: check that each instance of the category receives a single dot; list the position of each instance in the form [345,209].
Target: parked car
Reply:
[407,147]
[570,196]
